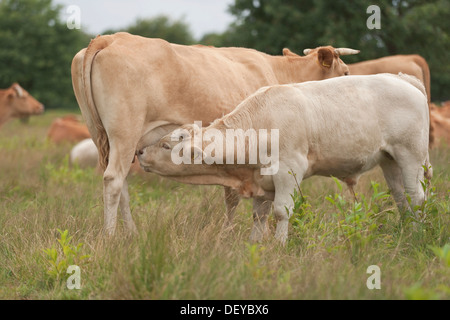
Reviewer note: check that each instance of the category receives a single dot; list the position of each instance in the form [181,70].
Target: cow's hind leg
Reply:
[124,205]
[115,189]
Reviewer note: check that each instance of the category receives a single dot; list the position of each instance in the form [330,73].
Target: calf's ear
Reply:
[325,57]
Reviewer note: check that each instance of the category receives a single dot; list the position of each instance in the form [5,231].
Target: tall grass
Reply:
[184,248]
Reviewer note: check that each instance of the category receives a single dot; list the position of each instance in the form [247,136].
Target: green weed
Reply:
[59,258]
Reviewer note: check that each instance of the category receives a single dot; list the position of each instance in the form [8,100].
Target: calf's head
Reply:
[175,154]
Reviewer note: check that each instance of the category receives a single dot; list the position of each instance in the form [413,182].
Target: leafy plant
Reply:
[64,173]
[357,221]
[254,265]
[61,257]
[419,292]
[442,253]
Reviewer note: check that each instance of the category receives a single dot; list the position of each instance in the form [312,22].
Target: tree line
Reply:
[36,46]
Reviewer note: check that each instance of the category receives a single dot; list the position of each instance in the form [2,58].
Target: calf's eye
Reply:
[166,146]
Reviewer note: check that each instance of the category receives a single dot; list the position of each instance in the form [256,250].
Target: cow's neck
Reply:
[294,69]
[5,111]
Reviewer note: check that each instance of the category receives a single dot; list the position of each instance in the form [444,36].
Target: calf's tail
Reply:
[428,174]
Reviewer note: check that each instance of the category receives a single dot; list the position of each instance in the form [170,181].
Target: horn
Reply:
[345,51]
[18,90]
[306,51]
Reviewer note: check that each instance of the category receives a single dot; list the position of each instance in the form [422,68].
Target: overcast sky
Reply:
[203,16]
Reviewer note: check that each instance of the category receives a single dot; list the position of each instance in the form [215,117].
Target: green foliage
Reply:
[174,31]
[407,27]
[254,264]
[64,173]
[61,257]
[37,50]
[419,292]
[357,221]
[442,253]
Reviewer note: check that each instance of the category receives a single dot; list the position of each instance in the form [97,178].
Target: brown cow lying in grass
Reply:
[67,129]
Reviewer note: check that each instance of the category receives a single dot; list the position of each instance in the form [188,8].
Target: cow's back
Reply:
[214,79]
[392,64]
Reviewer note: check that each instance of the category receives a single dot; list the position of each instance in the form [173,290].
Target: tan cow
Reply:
[67,129]
[336,127]
[132,90]
[440,120]
[446,104]
[443,110]
[16,102]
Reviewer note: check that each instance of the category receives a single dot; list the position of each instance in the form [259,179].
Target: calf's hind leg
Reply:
[261,210]
[412,173]
[394,179]
[232,199]
[285,183]
[411,180]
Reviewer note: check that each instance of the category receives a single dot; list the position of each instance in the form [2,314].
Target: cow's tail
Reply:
[425,72]
[95,46]
[419,60]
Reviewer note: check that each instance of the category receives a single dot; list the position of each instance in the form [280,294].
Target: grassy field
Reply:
[185,251]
